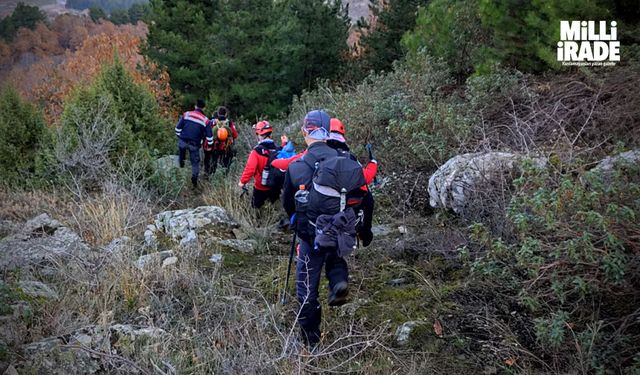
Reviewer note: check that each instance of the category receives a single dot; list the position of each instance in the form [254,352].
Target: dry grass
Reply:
[21,205]
[105,217]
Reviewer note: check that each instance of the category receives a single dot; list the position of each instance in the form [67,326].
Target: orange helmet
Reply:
[337,126]
[263,127]
[222,134]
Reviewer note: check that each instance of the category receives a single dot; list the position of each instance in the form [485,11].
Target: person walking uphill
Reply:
[338,141]
[266,186]
[191,130]
[322,189]
[224,133]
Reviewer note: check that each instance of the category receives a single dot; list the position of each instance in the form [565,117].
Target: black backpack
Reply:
[272,177]
[335,197]
[335,184]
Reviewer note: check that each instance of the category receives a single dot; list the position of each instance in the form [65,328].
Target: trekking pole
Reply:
[244,191]
[371,157]
[283,300]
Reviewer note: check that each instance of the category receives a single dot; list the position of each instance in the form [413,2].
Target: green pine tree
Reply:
[381,45]
[23,16]
[449,30]
[251,56]
[21,131]
[119,16]
[96,13]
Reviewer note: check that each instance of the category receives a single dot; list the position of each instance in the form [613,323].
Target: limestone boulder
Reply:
[42,241]
[177,224]
[36,289]
[607,164]
[455,184]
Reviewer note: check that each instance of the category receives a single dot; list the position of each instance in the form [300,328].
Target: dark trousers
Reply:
[194,156]
[261,196]
[211,159]
[367,207]
[308,273]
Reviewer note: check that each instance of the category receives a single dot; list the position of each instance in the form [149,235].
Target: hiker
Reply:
[191,130]
[224,133]
[267,180]
[288,149]
[325,224]
[207,149]
[337,141]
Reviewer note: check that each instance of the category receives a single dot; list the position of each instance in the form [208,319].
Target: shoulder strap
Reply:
[265,151]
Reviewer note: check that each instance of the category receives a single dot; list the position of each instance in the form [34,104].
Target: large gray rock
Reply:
[609,163]
[85,350]
[36,289]
[455,182]
[177,224]
[167,166]
[42,241]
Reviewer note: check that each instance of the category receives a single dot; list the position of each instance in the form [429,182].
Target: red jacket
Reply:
[284,163]
[370,170]
[255,165]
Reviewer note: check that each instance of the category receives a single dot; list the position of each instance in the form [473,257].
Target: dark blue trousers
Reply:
[194,156]
[308,273]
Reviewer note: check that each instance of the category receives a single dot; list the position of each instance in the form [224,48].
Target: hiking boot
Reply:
[194,182]
[339,293]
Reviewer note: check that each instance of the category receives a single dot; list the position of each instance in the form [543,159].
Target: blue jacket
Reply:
[287,151]
[192,128]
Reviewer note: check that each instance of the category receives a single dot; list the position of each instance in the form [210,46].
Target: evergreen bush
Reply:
[22,130]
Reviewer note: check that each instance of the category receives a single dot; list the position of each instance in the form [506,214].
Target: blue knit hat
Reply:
[317,124]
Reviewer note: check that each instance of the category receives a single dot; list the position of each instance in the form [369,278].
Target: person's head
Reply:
[316,127]
[338,131]
[200,104]
[223,112]
[263,129]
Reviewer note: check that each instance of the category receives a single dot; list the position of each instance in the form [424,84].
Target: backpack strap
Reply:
[263,150]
